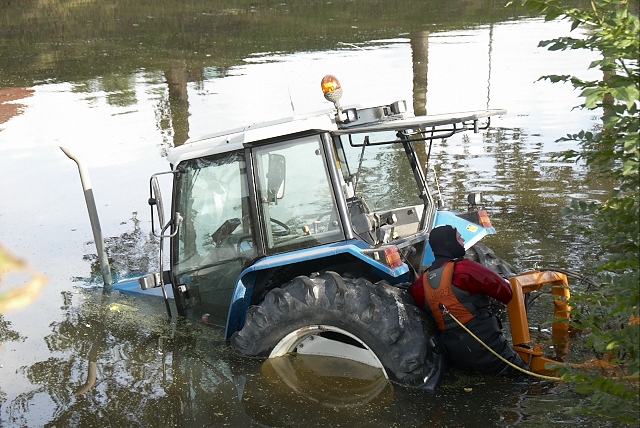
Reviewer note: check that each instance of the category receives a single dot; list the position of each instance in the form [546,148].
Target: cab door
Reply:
[215,241]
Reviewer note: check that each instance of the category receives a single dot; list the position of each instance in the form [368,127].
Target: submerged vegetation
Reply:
[608,314]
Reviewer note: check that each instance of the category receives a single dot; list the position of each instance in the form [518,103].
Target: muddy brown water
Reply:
[120,84]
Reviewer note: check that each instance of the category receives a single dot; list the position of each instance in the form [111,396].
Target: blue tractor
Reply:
[301,235]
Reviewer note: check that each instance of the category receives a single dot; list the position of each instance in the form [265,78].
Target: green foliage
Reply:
[610,396]
[610,313]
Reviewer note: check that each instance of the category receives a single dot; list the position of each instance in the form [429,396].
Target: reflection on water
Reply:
[116,359]
[323,390]
[131,254]
[6,332]
[122,89]
[9,102]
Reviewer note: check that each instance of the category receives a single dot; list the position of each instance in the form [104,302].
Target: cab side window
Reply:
[297,205]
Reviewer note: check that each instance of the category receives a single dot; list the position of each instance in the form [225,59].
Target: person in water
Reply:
[464,288]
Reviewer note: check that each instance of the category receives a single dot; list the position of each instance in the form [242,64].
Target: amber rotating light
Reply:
[332,90]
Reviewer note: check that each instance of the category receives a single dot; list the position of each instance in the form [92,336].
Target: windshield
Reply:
[382,186]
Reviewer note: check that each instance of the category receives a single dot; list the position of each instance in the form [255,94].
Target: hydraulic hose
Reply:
[445,311]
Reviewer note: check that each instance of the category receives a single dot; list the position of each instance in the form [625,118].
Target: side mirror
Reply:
[275,177]
[155,199]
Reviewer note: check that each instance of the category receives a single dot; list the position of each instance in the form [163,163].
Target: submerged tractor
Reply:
[302,235]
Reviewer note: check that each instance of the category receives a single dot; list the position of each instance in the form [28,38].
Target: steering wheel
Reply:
[284,232]
[225,230]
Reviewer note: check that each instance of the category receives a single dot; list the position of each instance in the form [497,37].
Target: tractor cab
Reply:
[266,203]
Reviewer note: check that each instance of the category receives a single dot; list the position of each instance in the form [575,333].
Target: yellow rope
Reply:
[500,356]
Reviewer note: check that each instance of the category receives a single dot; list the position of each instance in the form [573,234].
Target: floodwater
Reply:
[118,85]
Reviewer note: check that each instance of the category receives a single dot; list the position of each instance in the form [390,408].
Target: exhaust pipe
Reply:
[93,217]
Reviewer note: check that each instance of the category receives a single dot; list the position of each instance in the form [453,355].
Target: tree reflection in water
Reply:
[116,360]
[7,334]
[133,253]
[123,365]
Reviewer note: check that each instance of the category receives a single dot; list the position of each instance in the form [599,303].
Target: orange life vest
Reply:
[439,289]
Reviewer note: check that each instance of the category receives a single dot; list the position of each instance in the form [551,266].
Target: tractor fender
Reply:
[242,293]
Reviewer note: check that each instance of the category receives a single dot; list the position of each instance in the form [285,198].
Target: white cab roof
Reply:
[235,139]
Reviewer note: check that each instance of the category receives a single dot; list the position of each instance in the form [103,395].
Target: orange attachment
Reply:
[532,353]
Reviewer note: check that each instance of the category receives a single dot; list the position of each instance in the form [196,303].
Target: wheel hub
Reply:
[309,341]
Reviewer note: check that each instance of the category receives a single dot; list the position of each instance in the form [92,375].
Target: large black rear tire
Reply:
[487,257]
[381,318]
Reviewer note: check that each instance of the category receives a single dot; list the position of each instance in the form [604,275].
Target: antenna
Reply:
[293,108]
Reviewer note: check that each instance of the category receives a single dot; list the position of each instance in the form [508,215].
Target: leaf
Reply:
[19,297]
[558,46]
[596,63]
[554,78]
[8,262]
[630,168]
[553,14]
[575,24]
[592,96]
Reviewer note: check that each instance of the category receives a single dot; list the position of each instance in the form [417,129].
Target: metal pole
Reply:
[93,217]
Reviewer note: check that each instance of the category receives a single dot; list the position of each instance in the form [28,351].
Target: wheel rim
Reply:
[314,340]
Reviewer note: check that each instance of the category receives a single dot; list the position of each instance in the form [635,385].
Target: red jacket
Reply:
[473,278]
